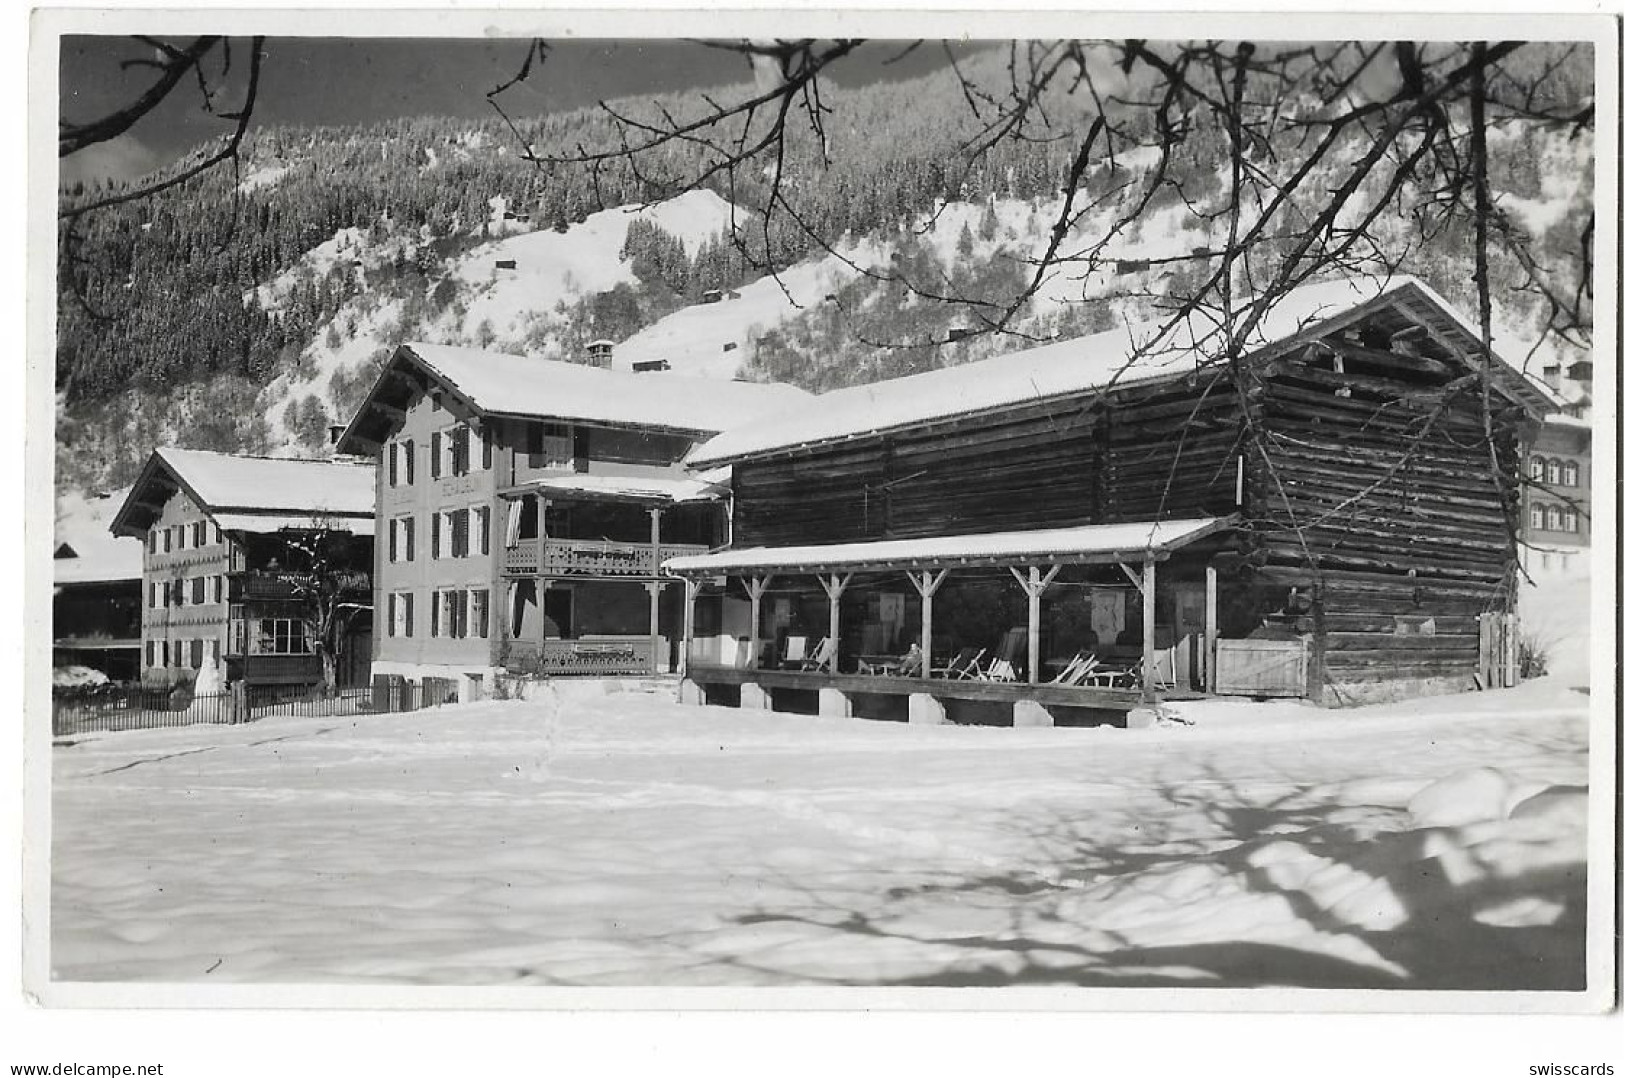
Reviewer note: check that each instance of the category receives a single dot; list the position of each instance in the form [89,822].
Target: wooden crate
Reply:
[1261,668]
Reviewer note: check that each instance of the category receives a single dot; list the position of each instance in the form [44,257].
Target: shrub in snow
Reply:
[76,677]
[1532,656]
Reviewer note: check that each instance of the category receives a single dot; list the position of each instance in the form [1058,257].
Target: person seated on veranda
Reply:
[912,662]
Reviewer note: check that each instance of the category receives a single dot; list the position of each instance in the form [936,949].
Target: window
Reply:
[200,533]
[1537,517]
[550,445]
[152,545]
[392,454]
[152,598]
[400,613]
[168,540]
[198,585]
[281,636]
[482,529]
[218,538]
[197,655]
[1571,473]
[214,652]
[163,652]
[219,590]
[180,537]
[409,451]
[152,653]
[402,533]
[436,449]
[455,610]
[434,535]
[480,613]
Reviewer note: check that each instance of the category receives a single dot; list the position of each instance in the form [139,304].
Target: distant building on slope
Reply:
[1557,478]
[219,586]
[524,507]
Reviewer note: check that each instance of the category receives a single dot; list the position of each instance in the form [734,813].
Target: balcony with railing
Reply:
[605,657]
[591,557]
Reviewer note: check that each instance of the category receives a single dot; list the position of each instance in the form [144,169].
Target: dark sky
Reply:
[354,80]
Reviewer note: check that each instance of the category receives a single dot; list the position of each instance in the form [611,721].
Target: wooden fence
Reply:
[134,708]
[1261,668]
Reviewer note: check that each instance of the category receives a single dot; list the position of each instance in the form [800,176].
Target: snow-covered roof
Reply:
[660,489]
[97,555]
[496,383]
[1090,542]
[223,484]
[1072,367]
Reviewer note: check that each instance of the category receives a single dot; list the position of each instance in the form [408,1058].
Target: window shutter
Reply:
[394,464]
[408,613]
[394,527]
[434,455]
[411,453]
[390,621]
[459,534]
[485,452]
[434,613]
[482,615]
[434,535]
[484,516]
[411,538]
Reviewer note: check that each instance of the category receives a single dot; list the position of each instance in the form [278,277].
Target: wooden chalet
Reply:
[524,508]
[1079,529]
[221,585]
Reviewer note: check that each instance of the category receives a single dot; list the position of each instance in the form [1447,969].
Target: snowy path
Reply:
[625,840]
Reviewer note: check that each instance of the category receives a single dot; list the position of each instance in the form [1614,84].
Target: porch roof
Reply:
[267,523]
[1091,543]
[642,490]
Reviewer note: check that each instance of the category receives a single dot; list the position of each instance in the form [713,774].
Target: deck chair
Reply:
[967,664]
[821,656]
[795,652]
[1082,664]
[999,670]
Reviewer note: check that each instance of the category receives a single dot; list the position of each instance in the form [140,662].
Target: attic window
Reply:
[65,551]
[1413,625]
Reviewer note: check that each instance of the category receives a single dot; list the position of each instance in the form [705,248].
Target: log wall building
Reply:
[1365,461]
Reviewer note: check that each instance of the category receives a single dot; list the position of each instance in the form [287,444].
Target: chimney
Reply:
[335,431]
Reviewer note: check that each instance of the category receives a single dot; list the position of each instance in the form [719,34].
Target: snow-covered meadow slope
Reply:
[624,840]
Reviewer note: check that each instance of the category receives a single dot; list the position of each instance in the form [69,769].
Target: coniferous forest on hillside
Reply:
[164,316]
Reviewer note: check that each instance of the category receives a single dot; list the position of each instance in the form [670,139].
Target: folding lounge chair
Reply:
[795,652]
[999,670]
[821,656]
[967,664]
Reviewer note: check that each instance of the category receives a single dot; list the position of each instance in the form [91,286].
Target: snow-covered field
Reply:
[624,840]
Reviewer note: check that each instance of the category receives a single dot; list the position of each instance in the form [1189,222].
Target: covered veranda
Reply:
[1039,622]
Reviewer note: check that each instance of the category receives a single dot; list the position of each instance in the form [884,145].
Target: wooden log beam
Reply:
[1210,628]
[691,588]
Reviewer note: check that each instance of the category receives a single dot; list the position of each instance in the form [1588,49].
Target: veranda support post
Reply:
[691,589]
[1148,634]
[654,624]
[1034,584]
[755,586]
[926,583]
[1210,630]
[834,585]
[654,592]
